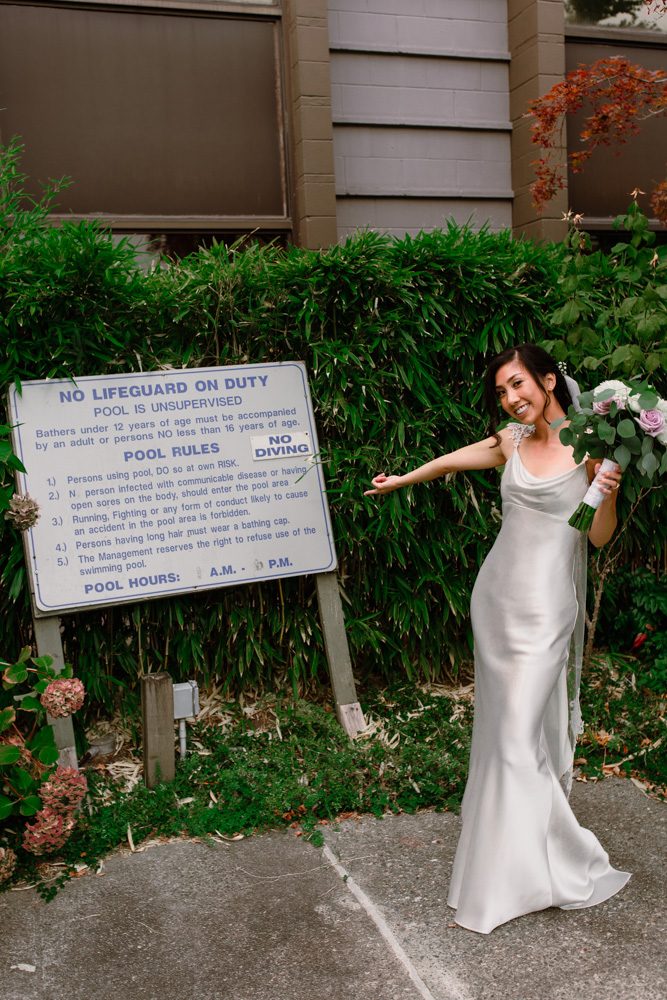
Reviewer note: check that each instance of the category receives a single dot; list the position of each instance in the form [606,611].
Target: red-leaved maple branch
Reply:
[620,97]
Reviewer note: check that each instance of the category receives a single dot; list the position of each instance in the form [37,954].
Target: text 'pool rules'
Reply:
[157,483]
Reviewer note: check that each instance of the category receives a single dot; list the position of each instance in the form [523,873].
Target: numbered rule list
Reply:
[157,483]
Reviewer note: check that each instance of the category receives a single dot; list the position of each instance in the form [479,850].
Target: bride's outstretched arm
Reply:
[485,454]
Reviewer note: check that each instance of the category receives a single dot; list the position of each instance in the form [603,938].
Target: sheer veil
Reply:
[562,721]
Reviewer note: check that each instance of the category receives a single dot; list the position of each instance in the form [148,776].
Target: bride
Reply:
[521,848]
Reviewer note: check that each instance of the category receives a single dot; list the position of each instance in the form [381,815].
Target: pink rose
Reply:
[651,422]
[603,406]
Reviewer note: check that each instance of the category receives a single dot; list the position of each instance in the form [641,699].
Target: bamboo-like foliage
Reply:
[394,333]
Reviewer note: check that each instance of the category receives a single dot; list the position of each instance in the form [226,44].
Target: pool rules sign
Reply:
[157,483]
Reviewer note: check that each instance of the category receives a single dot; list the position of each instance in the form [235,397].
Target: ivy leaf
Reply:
[7,716]
[6,806]
[30,805]
[22,781]
[619,357]
[43,662]
[43,738]
[9,754]
[30,704]
[15,674]
[49,755]
[570,312]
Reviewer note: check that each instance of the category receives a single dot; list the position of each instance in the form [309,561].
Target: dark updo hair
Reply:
[538,363]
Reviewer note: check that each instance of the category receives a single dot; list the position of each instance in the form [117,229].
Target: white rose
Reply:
[620,389]
[662,406]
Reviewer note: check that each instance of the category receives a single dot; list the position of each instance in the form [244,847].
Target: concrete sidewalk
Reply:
[272,918]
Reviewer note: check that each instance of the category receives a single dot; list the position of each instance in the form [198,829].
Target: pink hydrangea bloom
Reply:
[23,512]
[652,422]
[48,833]
[63,696]
[63,790]
[7,862]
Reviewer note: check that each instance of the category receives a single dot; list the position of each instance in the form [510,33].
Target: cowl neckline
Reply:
[544,479]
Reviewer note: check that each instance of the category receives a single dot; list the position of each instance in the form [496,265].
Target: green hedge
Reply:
[394,333]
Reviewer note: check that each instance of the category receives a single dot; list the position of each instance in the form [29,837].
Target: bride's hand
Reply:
[384,484]
[609,481]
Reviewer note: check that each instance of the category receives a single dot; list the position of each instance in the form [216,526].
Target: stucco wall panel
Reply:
[421,162]
[398,216]
[411,33]
[391,88]
[420,105]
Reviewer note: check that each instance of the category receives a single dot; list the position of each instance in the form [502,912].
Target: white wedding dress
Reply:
[521,848]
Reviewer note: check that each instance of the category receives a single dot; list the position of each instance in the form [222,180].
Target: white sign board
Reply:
[157,483]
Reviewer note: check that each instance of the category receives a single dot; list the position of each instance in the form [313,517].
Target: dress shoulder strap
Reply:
[519,431]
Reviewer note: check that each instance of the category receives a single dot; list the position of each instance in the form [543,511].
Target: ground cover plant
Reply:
[288,763]
[282,763]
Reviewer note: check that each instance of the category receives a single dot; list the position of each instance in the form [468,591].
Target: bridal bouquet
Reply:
[622,423]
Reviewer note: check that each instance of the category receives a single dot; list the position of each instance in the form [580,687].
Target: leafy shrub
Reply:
[634,618]
[395,335]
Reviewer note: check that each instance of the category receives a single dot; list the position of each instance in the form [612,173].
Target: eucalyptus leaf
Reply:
[650,464]
[648,400]
[622,456]
[626,428]
[606,431]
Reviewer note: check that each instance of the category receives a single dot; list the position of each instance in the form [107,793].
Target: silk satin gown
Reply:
[521,848]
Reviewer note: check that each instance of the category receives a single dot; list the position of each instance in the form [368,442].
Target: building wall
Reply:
[420,106]
[537,44]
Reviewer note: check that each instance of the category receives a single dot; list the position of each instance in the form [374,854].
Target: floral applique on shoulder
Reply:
[519,431]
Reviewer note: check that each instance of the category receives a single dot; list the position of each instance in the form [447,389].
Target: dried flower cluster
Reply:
[63,696]
[23,512]
[63,790]
[7,862]
[48,833]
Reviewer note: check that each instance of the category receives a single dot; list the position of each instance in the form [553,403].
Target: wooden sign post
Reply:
[49,643]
